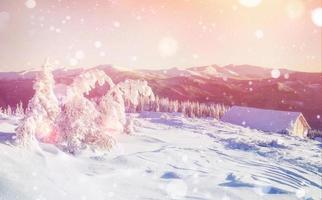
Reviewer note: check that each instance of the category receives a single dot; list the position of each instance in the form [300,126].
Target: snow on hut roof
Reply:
[262,119]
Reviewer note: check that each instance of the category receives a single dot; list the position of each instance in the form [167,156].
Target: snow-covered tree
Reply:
[19,110]
[9,111]
[112,104]
[42,110]
[78,126]
[79,123]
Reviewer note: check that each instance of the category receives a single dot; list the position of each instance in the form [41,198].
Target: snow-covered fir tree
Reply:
[42,110]
[19,112]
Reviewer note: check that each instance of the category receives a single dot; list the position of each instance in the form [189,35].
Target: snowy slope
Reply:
[168,157]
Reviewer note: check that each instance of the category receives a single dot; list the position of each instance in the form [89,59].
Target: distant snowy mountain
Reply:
[168,157]
[29,74]
[243,85]
[211,71]
[243,72]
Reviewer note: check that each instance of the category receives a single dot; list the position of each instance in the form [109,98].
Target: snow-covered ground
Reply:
[168,157]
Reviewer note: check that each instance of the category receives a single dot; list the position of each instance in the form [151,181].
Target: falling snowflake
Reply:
[67,17]
[30,4]
[79,54]
[195,56]
[138,17]
[56,62]
[275,73]
[259,34]
[97,44]
[250,3]
[317,17]
[318,116]
[102,53]
[177,189]
[73,62]
[168,47]
[116,24]
[134,58]
[52,28]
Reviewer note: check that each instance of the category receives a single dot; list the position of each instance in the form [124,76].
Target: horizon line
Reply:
[131,68]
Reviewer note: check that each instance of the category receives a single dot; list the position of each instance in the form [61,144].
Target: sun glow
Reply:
[168,46]
[161,34]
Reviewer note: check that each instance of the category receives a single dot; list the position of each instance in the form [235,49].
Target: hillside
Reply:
[167,157]
[231,85]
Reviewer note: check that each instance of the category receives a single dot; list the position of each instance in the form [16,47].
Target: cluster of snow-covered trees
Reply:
[188,108]
[15,111]
[64,116]
[157,104]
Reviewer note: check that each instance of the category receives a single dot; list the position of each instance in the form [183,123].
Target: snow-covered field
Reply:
[167,157]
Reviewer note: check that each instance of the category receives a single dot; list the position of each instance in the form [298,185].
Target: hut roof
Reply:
[262,119]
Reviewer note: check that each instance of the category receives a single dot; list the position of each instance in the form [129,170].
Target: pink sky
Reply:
[158,34]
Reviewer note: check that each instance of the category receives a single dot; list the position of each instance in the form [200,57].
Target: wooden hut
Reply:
[292,123]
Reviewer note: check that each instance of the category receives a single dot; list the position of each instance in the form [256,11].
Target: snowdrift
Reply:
[168,157]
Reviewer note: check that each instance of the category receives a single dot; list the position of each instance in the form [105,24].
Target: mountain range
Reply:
[243,85]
